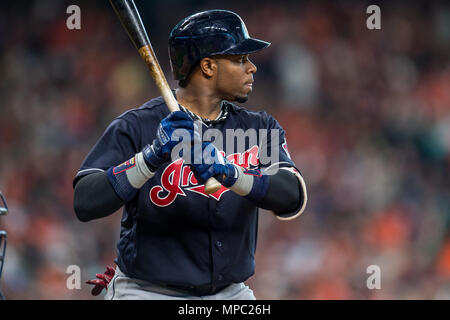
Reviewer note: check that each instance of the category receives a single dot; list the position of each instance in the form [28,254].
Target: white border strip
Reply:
[305,195]
[267,169]
[93,169]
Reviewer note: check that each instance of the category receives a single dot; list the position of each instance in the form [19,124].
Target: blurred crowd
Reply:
[366,115]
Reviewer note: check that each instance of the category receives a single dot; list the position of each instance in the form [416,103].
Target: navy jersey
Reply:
[172,231]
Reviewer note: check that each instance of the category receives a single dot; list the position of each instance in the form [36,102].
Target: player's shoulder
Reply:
[260,116]
[154,109]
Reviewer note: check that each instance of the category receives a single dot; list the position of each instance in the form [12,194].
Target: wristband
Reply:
[251,184]
[128,177]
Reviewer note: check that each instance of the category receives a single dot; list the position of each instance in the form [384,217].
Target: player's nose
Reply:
[252,67]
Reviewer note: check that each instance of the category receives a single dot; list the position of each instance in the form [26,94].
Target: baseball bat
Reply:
[3,206]
[129,17]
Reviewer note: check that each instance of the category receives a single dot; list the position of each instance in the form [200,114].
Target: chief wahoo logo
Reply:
[177,177]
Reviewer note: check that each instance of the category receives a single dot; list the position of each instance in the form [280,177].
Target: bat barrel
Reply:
[148,55]
[129,17]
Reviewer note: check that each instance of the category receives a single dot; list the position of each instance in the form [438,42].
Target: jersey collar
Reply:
[224,105]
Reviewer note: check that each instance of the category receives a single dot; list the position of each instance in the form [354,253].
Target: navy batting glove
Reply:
[249,183]
[128,177]
[176,125]
[211,163]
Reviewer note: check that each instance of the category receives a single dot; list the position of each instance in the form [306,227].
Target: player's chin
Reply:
[241,98]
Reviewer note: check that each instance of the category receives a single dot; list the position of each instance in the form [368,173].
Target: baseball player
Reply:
[177,241]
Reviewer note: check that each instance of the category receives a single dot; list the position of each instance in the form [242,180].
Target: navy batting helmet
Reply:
[205,34]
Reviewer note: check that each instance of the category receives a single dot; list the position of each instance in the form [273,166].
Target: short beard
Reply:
[241,99]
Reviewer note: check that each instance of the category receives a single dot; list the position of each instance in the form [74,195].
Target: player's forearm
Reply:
[284,193]
[95,198]
[281,193]
[100,194]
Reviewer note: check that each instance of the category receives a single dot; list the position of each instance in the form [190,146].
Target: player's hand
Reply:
[102,281]
[169,134]
[208,162]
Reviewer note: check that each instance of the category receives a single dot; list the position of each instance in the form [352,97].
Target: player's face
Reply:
[234,79]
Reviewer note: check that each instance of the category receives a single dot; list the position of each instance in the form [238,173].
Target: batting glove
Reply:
[176,125]
[102,281]
[249,183]
[128,177]
[209,162]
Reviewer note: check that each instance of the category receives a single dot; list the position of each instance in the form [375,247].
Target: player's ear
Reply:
[208,67]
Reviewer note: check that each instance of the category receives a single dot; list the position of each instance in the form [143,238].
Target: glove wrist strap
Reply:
[152,161]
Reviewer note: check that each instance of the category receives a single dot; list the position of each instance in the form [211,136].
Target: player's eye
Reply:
[243,59]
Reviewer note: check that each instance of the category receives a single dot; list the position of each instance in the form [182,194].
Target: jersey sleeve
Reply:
[117,144]
[274,156]
[273,148]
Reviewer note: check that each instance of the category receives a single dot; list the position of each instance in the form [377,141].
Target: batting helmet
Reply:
[3,238]
[206,34]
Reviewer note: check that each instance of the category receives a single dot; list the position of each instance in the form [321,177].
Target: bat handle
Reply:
[212,185]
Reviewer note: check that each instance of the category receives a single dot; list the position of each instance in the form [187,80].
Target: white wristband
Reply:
[243,184]
[140,173]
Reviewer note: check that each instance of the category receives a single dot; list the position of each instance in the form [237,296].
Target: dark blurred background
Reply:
[367,116]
